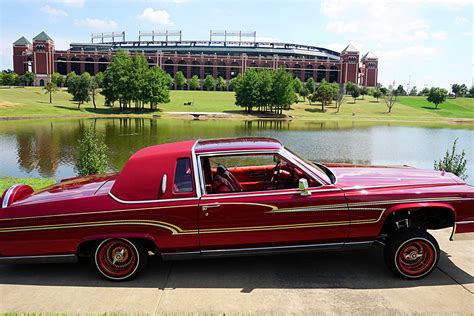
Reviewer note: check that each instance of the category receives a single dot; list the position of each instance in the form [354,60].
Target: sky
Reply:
[418,42]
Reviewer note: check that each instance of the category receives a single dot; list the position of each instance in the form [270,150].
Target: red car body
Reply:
[343,206]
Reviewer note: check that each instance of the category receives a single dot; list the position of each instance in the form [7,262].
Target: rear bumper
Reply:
[463,231]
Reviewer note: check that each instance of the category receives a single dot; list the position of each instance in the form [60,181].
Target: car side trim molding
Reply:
[217,253]
[67,258]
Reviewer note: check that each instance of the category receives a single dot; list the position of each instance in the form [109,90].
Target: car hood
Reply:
[67,189]
[353,175]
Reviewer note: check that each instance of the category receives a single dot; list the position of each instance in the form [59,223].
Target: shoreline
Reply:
[246,117]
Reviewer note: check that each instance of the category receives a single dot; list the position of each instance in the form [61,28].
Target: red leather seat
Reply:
[225,181]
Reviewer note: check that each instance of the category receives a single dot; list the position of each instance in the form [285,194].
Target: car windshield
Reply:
[321,173]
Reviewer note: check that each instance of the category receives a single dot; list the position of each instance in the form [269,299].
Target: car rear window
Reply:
[183,176]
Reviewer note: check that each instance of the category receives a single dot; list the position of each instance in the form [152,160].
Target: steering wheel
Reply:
[276,172]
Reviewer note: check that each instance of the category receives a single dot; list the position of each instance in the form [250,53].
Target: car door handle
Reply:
[208,206]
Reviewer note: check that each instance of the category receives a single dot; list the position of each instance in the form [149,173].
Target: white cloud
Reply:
[164,1]
[342,27]
[156,17]
[441,35]
[460,20]
[53,12]
[416,51]
[71,3]
[100,24]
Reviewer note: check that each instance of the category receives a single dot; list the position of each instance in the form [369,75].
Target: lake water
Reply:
[47,148]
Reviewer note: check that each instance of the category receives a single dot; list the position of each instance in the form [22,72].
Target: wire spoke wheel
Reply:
[411,253]
[415,257]
[117,259]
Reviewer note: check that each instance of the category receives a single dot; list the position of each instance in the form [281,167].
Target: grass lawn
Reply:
[454,108]
[32,102]
[35,183]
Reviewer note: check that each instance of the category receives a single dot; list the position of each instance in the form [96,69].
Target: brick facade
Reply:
[43,59]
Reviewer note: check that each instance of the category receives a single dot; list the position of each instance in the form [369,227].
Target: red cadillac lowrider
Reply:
[227,197]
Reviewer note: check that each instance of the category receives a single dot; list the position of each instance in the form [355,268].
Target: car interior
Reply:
[242,173]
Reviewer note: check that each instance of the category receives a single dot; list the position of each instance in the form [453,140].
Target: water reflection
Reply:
[48,147]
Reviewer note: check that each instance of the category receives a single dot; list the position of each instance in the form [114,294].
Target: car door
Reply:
[272,218]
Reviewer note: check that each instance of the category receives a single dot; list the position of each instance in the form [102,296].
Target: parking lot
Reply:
[355,282]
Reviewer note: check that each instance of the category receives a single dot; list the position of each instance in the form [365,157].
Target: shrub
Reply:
[93,157]
[453,162]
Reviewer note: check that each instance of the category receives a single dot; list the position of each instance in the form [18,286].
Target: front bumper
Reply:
[463,231]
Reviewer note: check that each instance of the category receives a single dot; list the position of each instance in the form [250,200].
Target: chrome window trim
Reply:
[196,170]
[281,152]
[152,201]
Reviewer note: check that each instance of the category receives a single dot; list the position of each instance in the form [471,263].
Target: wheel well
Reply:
[86,248]
[424,218]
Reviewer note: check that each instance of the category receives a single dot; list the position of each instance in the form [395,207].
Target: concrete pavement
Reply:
[322,283]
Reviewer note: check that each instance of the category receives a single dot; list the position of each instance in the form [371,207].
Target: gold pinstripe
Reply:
[177,230]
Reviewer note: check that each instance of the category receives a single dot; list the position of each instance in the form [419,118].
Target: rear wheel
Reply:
[411,253]
[119,259]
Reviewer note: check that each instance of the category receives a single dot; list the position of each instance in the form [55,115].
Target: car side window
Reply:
[253,172]
[183,180]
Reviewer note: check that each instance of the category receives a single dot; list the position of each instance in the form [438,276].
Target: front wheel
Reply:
[119,259]
[411,253]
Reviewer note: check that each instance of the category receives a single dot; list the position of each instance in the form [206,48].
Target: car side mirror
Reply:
[303,187]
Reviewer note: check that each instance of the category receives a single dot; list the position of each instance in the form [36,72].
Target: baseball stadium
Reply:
[226,54]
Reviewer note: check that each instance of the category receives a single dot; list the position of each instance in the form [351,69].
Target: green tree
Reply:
[69,77]
[220,83]
[179,80]
[340,96]
[453,162]
[326,92]
[99,79]
[355,93]
[117,80]
[424,92]
[413,92]
[157,87]
[311,85]
[57,79]
[400,91]
[209,83]
[265,89]
[297,85]
[304,93]
[10,78]
[471,92]
[363,92]
[437,96]
[390,100]
[50,88]
[246,89]
[93,87]
[194,83]
[29,78]
[137,84]
[93,157]
[79,87]
[377,94]
[350,86]
[459,90]
[383,90]
[313,97]
[283,94]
